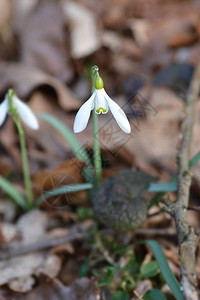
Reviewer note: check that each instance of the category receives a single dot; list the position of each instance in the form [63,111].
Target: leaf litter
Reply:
[45,58]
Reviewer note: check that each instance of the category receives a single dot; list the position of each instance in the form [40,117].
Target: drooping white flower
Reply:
[23,110]
[101,102]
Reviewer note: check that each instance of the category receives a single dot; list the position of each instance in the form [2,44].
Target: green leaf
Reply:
[149,270]
[84,212]
[132,267]
[160,194]
[8,188]
[170,186]
[165,269]
[74,143]
[120,295]
[107,278]
[154,294]
[194,160]
[128,282]
[63,190]
[84,269]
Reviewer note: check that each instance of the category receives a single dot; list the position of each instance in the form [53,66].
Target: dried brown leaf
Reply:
[42,41]
[17,272]
[141,288]
[24,79]
[85,36]
[5,16]
[120,44]
[32,226]
[53,289]
[69,172]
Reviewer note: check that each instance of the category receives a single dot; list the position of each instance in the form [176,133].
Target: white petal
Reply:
[101,105]
[3,110]
[25,113]
[83,114]
[118,114]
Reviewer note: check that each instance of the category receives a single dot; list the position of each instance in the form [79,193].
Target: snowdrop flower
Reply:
[101,102]
[22,109]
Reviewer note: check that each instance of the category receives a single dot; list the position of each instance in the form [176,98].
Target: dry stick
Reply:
[185,233]
[18,248]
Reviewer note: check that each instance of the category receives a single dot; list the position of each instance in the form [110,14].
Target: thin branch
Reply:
[46,242]
[103,250]
[186,236]
[163,232]
[194,208]
[137,295]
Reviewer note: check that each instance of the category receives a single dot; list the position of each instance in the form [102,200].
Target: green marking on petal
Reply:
[101,109]
[98,83]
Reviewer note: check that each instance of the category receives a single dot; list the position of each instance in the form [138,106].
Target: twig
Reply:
[194,208]
[137,295]
[167,206]
[103,250]
[185,233]
[18,248]
[156,231]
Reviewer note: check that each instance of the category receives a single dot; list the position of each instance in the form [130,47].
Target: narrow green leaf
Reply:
[65,189]
[74,143]
[165,269]
[194,160]
[160,194]
[170,186]
[8,188]
[172,182]
[154,294]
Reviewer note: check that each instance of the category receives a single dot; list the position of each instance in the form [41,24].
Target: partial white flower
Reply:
[101,102]
[23,110]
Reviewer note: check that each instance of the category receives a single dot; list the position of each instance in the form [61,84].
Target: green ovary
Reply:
[101,109]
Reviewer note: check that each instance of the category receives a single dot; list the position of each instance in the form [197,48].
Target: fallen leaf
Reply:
[5,16]
[69,172]
[22,10]
[22,284]
[85,35]
[66,248]
[9,232]
[7,294]
[185,35]
[140,29]
[17,272]
[24,80]
[8,210]
[32,226]
[174,27]
[50,39]
[70,270]
[160,129]
[141,288]
[120,44]
[116,13]
[53,289]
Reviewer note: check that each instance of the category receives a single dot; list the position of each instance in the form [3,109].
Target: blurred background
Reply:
[146,52]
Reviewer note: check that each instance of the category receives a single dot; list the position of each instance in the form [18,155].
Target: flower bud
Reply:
[98,83]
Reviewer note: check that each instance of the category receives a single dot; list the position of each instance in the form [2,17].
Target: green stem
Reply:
[26,172]
[96,147]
